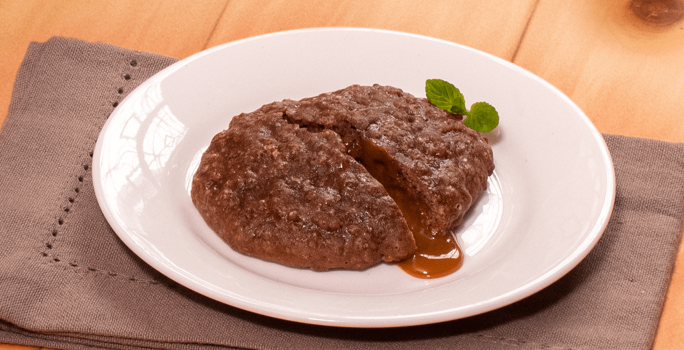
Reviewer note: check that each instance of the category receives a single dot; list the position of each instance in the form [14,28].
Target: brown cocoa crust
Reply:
[444,162]
[282,184]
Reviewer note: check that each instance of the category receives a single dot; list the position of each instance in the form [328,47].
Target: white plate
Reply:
[547,204]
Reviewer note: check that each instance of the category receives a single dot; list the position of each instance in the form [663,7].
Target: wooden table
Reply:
[621,61]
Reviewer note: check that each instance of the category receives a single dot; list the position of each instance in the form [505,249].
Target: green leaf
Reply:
[482,117]
[445,96]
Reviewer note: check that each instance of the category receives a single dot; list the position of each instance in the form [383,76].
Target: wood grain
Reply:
[621,61]
[489,25]
[172,28]
[625,73]
[175,29]
[17,347]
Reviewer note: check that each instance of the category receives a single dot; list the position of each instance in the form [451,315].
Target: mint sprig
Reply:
[482,116]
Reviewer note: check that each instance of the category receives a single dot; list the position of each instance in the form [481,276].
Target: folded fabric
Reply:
[67,281]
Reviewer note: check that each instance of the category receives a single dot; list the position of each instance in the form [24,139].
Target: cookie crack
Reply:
[383,168]
[438,252]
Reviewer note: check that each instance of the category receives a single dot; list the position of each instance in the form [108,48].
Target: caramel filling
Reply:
[437,255]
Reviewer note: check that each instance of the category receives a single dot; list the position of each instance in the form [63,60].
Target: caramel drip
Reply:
[438,254]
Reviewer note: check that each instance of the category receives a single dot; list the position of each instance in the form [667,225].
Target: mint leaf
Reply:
[482,117]
[445,96]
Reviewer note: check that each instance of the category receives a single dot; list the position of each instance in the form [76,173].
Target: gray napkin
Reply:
[67,281]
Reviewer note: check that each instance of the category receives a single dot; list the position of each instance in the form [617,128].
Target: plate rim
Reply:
[524,291]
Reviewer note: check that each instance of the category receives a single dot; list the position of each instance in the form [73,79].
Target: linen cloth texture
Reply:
[68,282]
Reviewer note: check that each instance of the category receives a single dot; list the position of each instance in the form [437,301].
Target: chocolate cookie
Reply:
[340,180]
